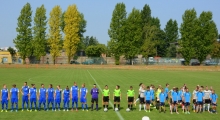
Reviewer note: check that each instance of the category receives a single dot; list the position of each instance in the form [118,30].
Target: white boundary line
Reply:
[119,115]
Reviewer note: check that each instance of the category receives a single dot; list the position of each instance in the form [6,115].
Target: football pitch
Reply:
[111,77]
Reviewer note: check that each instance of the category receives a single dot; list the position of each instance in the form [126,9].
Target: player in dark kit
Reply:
[94,92]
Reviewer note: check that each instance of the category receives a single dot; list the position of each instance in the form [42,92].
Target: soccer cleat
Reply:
[146,111]
[55,110]
[67,110]
[87,110]
[64,110]
[16,110]
[185,112]
[22,110]
[155,107]
[177,113]
[58,109]
[188,112]
[171,113]
[2,111]
[6,111]
[27,110]
[30,110]
[35,110]
[194,111]
[82,109]
[11,110]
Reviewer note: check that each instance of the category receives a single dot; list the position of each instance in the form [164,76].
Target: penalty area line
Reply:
[118,114]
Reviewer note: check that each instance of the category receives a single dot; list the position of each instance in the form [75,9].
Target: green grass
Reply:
[110,77]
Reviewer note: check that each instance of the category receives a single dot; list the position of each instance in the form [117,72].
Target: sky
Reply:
[98,13]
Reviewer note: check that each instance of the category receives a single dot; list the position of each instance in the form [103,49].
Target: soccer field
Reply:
[110,77]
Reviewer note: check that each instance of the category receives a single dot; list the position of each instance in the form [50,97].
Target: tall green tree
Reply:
[171,32]
[12,51]
[132,43]
[71,30]
[146,20]
[96,50]
[215,53]
[189,34]
[54,32]
[23,41]
[117,31]
[207,35]
[39,32]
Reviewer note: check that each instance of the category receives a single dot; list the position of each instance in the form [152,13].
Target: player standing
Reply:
[57,97]
[194,98]
[50,97]
[148,98]
[213,98]
[74,95]
[140,88]
[4,97]
[153,102]
[117,97]
[187,97]
[66,99]
[199,100]
[94,92]
[207,94]
[83,94]
[105,96]
[142,98]
[180,93]
[33,97]
[167,92]
[14,97]
[162,99]
[25,92]
[130,97]
[174,100]
[42,97]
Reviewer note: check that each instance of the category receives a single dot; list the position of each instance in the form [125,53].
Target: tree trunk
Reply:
[23,58]
[69,59]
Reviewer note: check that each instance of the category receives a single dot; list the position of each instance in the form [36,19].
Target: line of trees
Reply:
[140,33]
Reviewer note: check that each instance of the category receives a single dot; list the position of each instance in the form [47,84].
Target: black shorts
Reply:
[207,101]
[130,99]
[194,101]
[139,96]
[170,101]
[162,104]
[179,101]
[187,104]
[142,101]
[116,99]
[106,99]
[94,100]
[174,102]
[199,103]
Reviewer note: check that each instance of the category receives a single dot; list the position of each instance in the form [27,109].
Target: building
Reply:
[5,57]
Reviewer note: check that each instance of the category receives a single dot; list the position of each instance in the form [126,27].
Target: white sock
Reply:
[140,107]
[194,107]
[144,107]
[204,107]
[208,107]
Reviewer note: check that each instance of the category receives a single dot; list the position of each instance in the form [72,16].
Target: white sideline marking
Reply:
[119,115]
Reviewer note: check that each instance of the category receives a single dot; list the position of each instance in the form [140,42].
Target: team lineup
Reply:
[203,99]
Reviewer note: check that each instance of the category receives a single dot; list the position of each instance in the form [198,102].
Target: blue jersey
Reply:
[33,92]
[14,92]
[58,93]
[187,96]
[83,92]
[74,90]
[180,95]
[25,90]
[199,96]
[66,94]
[42,92]
[4,94]
[162,96]
[166,90]
[148,95]
[152,94]
[174,96]
[50,93]
[214,97]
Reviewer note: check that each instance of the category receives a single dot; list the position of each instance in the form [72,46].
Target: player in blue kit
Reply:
[50,97]
[25,93]
[187,98]
[174,96]
[42,97]
[148,98]
[57,97]
[166,90]
[199,100]
[14,92]
[74,95]
[4,97]
[33,97]
[162,99]
[83,94]
[66,99]
[213,98]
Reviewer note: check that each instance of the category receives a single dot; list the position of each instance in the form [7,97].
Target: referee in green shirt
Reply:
[105,97]
[130,97]
[117,96]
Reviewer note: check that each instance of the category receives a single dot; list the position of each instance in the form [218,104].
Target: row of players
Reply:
[146,97]
[201,98]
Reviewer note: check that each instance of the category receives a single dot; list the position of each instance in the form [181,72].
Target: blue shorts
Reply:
[214,104]
[50,100]
[4,101]
[187,104]
[75,99]
[199,103]
[162,104]
[33,99]
[25,99]
[66,100]
[148,102]
[57,100]
[152,100]
[42,100]
[83,100]
[167,98]
[14,100]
